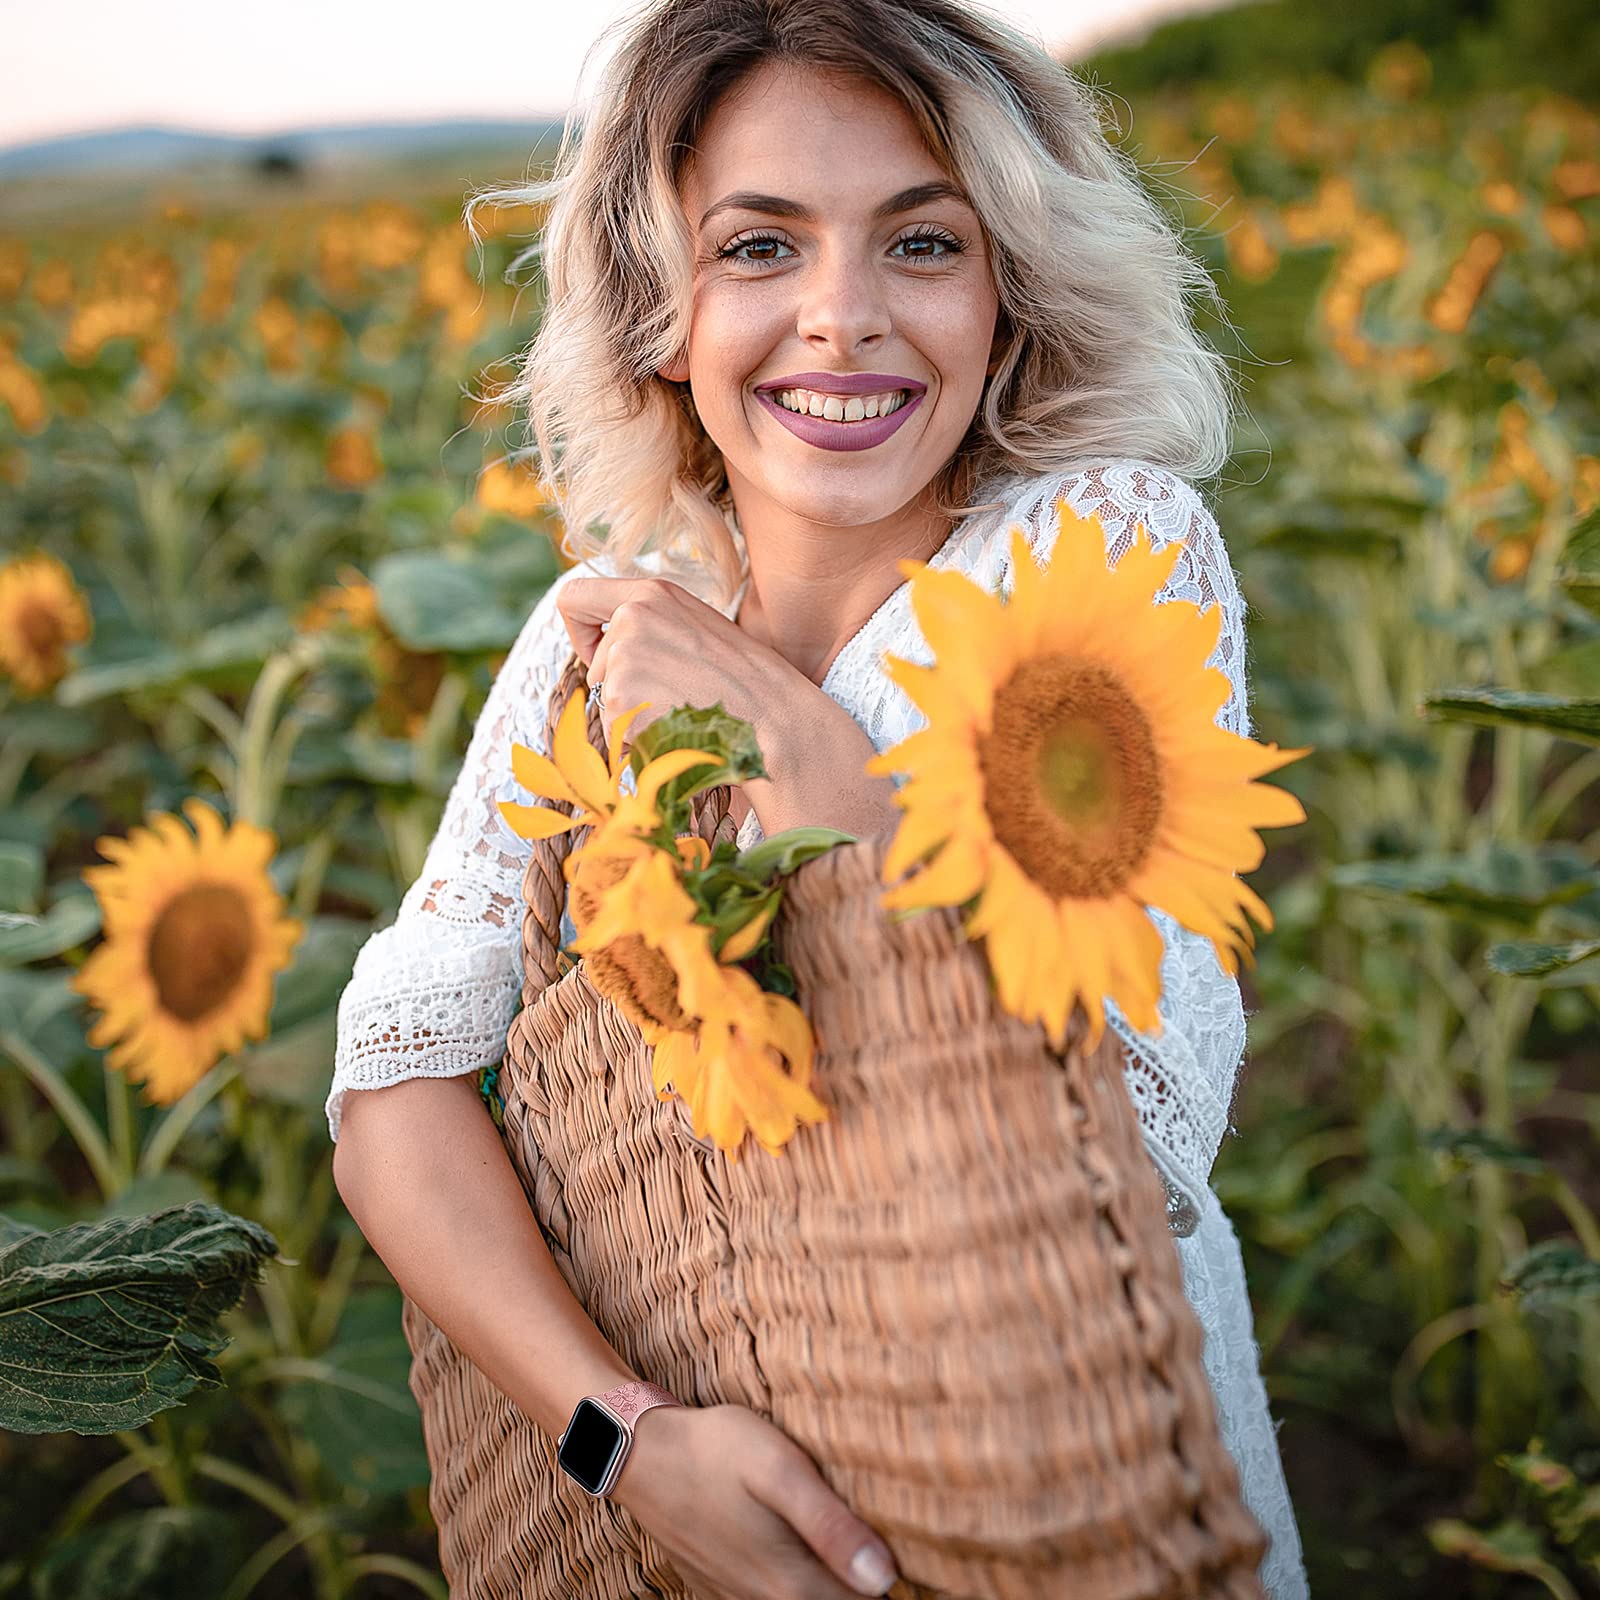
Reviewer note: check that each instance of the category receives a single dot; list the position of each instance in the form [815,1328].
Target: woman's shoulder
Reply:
[1121,492]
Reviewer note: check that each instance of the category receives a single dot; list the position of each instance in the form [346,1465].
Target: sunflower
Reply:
[639,977]
[718,1039]
[194,931]
[42,611]
[1071,775]
[407,680]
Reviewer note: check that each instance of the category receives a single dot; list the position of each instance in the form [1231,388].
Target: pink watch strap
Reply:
[631,1400]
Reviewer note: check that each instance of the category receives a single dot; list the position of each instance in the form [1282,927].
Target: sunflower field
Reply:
[265,538]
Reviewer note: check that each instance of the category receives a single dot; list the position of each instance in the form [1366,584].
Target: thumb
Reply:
[846,1545]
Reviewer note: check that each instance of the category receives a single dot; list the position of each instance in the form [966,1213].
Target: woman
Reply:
[832,283]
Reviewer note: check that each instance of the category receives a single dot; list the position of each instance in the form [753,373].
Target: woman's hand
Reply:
[742,1509]
[649,639]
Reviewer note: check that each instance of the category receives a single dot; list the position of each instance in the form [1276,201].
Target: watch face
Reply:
[592,1443]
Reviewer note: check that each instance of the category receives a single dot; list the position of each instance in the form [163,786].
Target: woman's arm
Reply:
[421,1167]
[735,1502]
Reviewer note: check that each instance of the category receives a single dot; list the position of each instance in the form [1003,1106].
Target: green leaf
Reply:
[1487,615]
[50,728]
[356,1405]
[1578,570]
[162,1191]
[230,649]
[1511,1546]
[436,602]
[21,876]
[154,1554]
[1505,883]
[1563,715]
[72,920]
[325,755]
[1466,1146]
[710,728]
[783,852]
[1531,959]
[1574,671]
[735,910]
[323,960]
[1554,1270]
[105,1324]
[1353,531]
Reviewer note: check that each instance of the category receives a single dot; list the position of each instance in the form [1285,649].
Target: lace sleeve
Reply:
[1182,1082]
[433,994]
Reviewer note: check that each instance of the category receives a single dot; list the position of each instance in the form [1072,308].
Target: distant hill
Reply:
[152,150]
[1473,45]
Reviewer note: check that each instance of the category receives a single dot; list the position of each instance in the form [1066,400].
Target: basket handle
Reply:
[544,887]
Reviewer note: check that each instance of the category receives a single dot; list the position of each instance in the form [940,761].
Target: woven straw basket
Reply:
[959,1293]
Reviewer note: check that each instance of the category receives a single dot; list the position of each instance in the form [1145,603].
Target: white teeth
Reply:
[836,408]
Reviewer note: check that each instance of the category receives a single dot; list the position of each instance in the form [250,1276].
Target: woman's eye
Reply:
[731,252]
[952,246]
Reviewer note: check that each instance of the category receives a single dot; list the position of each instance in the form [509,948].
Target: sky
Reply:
[223,66]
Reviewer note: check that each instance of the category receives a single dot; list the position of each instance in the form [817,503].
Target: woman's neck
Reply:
[811,588]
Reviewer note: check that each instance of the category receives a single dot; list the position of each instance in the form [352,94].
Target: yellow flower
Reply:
[194,931]
[513,491]
[719,1040]
[351,457]
[730,1070]
[1071,775]
[579,777]
[407,680]
[42,611]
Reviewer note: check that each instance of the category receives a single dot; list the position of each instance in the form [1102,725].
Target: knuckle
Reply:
[835,1528]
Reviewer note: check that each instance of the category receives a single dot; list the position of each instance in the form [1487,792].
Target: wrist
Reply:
[816,754]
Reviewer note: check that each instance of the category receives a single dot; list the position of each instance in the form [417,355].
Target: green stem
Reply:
[157,1464]
[99,1488]
[1583,1220]
[119,1119]
[278,673]
[262,1490]
[1573,780]
[304,1529]
[72,1111]
[172,1127]
[219,717]
[334,1291]
[397,1567]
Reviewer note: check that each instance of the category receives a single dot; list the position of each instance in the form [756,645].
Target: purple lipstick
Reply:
[829,435]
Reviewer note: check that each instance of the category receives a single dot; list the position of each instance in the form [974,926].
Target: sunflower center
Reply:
[41,628]
[1072,780]
[634,976]
[199,948]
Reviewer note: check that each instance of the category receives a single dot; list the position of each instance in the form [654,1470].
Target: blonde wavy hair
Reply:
[1103,359]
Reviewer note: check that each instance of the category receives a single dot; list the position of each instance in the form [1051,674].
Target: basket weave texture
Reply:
[959,1294]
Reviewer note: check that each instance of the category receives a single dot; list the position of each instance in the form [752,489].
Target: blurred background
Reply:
[261,548]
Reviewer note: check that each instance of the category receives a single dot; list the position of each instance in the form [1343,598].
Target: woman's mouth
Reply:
[841,422]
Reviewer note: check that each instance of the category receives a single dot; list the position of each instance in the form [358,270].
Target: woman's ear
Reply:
[676,370]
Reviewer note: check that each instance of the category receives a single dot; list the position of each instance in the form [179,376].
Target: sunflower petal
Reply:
[540,775]
[578,760]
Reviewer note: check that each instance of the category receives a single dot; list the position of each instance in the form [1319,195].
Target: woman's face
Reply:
[800,274]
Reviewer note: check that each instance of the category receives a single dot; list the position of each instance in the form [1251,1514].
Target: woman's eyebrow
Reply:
[772,205]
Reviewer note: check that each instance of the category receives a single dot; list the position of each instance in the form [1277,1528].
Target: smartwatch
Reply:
[596,1442]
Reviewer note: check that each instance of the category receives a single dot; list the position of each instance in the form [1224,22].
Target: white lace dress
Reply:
[434,993]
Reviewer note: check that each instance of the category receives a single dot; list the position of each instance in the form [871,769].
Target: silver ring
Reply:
[600,692]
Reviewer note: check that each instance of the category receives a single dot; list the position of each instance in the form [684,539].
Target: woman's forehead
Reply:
[847,149]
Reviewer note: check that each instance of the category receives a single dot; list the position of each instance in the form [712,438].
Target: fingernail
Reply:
[872,1571]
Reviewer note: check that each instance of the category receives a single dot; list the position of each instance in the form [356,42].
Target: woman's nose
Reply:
[843,302]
